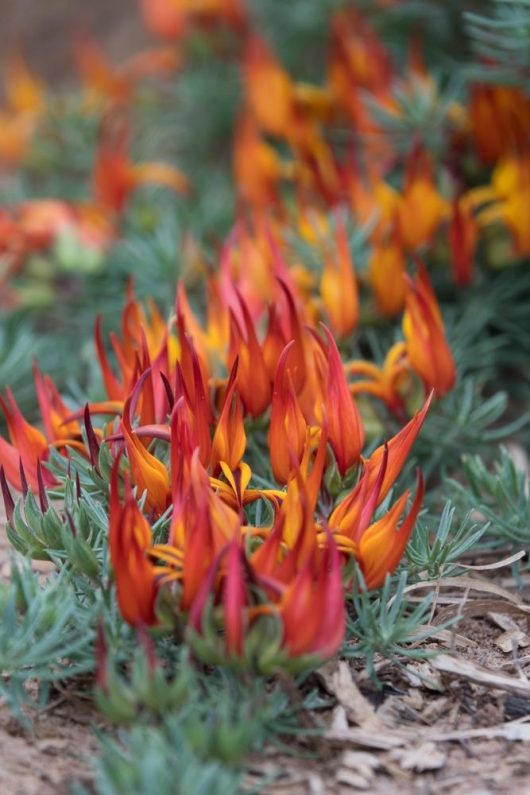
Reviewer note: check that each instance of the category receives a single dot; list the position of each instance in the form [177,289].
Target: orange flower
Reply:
[500,121]
[60,430]
[382,382]
[396,451]
[509,195]
[192,385]
[427,348]
[201,524]
[116,176]
[163,18]
[344,424]
[463,234]
[229,439]
[386,272]
[253,380]
[338,286]
[170,19]
[257,166]
[382,545]
[297,365]
[35,225]
[145,345]
[148,473]
[209,529]
[129,541]
[108,82]
[234,489]
[312,606]
[287,426]
[296,514]
[28,447]
[25,103]
[269,89]
[234,599]
[358,63]
[421,208]
[377,546]
[352,515]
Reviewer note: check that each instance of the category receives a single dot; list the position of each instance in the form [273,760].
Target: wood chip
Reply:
[338,680]
[360,760]
[435,709]
[315,784]
[421,758]
[339,719]
[512,639]
[414,699]
[502,621]
[422,674]
[353,779]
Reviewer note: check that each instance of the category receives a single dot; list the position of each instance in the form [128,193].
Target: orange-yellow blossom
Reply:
[338,285]
[229,440]
[287,425]
[383,382]
[129,541]
[427,348]
[147,472]
[421,208]
[344,425]
[508,200]
[269,89]
[386,273]
[463,238]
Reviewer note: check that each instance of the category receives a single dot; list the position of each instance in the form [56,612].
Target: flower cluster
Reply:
[253,564]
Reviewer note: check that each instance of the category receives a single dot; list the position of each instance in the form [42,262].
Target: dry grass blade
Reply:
[480,608]
[445,636]
[470,671]
[378,740]
[467,583]
[515,731]
[499,564]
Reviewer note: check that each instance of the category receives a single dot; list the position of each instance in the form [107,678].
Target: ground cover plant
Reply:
[265,299]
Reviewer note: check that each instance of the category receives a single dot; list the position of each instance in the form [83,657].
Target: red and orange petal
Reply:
[344,425]
[129,541]
[427,348]
[338,286]
[382,545]
[287,430]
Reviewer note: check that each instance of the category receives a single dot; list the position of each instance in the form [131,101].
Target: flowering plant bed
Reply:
[263,536]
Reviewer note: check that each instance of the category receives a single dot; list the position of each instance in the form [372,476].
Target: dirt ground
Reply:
[458,722]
